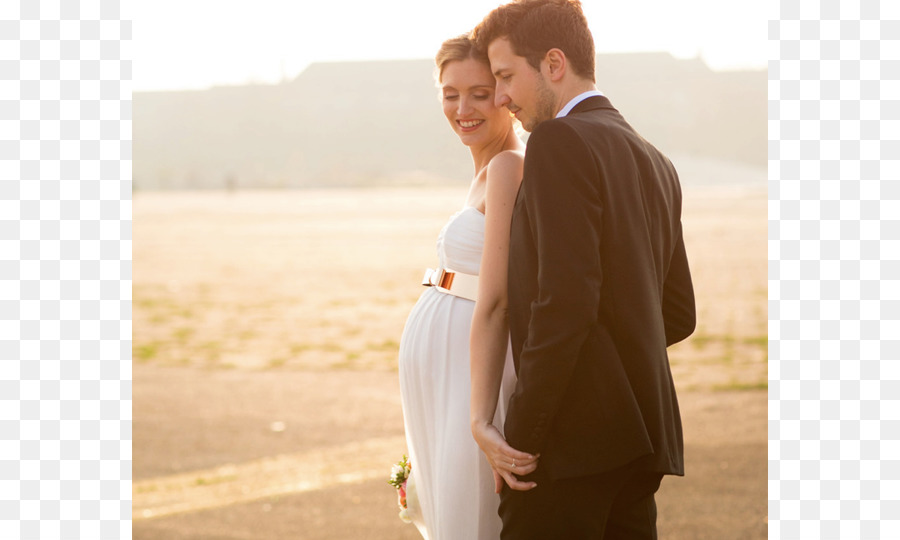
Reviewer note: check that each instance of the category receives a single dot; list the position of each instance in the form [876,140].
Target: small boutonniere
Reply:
[399,474]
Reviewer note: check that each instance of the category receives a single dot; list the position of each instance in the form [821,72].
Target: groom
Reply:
[599,286]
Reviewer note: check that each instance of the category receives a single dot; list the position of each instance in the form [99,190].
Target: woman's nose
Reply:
[464,107]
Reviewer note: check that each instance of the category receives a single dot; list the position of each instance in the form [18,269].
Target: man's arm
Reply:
[565,211]
[679,311]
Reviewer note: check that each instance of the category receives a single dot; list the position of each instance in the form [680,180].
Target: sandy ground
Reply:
[265,387]
[191,421]
[324,280]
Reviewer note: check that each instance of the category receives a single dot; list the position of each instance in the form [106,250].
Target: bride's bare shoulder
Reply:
[507,164]
[509,157]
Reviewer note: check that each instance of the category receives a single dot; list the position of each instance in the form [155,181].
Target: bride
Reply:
[452,488]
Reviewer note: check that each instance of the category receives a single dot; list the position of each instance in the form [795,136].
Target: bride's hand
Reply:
[506,461]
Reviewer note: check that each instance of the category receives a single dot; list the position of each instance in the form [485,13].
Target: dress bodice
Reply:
[461,241]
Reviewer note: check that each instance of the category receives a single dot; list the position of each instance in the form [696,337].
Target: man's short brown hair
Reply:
[533,27]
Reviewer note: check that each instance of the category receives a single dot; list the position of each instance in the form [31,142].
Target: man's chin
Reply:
[529,125]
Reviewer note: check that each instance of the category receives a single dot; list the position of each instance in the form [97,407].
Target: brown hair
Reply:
[455,50]
[533,27]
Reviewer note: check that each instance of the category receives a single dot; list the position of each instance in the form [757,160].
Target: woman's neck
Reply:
[483,155]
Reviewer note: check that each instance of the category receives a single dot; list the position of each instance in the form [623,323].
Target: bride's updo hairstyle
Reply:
[455,50]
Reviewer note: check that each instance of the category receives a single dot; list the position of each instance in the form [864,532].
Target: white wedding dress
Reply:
[451,487]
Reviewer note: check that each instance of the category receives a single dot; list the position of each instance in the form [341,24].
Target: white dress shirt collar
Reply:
[576,100]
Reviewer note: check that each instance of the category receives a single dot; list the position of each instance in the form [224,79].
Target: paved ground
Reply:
[275,454]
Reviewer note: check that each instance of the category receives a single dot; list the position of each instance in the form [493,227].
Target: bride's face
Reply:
[467,94]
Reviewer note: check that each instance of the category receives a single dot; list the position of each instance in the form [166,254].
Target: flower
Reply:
[399,475]
[400,472]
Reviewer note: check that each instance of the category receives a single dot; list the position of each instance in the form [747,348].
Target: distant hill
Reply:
[379,122]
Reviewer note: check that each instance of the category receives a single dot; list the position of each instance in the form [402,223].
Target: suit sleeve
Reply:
[565,211]
[679,311]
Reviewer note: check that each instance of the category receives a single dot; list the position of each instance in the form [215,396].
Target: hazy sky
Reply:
[200,43]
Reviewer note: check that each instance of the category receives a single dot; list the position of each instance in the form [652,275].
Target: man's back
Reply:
[599,286]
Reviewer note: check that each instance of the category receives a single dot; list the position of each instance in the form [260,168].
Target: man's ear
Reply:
[556,64]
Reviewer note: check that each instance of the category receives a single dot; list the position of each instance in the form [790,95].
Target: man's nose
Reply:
[501,99]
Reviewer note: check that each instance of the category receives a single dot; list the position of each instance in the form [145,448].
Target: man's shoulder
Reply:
[553,132]
[584,129]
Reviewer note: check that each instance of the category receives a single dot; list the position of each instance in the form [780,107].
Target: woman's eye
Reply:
[450,97]
[482,97]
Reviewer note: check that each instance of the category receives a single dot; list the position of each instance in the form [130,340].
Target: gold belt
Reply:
[450,282]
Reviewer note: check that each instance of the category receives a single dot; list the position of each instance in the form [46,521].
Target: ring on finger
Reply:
[514,463]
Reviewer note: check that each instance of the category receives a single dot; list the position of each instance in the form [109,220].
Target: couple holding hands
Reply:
[535,364]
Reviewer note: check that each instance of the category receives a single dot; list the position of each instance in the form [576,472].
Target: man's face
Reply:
[520,88]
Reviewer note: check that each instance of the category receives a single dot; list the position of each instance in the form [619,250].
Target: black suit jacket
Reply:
[599,286]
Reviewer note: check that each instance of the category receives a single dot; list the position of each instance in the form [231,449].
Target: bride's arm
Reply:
[489,336]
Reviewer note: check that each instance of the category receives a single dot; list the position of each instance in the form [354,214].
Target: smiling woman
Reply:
[453,480]
[467,96]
